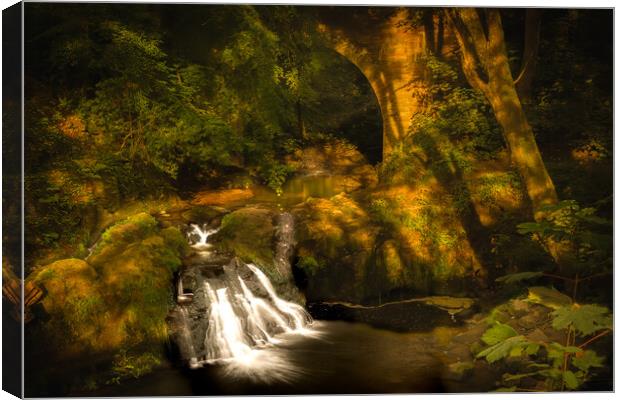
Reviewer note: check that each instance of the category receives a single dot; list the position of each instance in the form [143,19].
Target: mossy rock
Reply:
[336,247]
[249,234]
[119,235]
[371,247]
[202,214]
[118,299]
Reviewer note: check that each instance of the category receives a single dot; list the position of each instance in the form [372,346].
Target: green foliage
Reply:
[458,112]
[512,346]
[548,297]
[587,360]
[549,365]
[587,238]
[585,319]
[587,235]
[310,265]
[132,366]
[499,332]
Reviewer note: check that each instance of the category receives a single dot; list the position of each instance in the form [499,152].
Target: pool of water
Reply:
[334,358]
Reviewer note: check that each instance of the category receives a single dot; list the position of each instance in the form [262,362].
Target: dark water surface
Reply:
[336,358]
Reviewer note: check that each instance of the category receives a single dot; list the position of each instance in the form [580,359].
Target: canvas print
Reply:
[280,200]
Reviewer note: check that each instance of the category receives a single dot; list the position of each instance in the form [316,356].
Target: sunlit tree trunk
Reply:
[485,64]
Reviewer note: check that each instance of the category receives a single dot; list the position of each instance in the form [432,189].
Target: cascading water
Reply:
[228,312]
[198,236]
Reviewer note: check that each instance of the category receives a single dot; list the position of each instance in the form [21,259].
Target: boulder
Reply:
[116,300]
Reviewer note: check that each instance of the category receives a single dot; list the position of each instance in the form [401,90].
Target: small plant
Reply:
[132,366]
[570,364]
[310,265]
[559,366]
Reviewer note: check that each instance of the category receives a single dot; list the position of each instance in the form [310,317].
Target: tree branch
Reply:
[592,339]
[468,51]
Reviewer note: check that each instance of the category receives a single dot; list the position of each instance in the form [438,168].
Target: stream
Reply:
[339,358]
[234,335]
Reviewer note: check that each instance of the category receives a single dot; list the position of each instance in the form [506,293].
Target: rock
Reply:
[528,321]
[224,197]
[119,297]
[548,297]
[520,305]
[537,336]
[263,237]
[249,233]
[361,248]
[471,335]
[459,370]
[340,237]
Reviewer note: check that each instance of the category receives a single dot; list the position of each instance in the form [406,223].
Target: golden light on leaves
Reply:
[72,126]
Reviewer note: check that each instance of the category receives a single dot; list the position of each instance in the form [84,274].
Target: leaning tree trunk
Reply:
[518,134]
[486,67]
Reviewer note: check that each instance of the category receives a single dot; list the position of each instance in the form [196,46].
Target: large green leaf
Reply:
[503,349]
[497,333]
[518,277]
[586,360]
[586,319]
[570,380]
[555,353]
[548,297]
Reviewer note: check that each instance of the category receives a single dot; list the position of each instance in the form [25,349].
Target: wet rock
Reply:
[528,322]
[238,296]
[459,370]
[405,317]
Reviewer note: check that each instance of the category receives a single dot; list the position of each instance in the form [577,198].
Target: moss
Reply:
[132,365]
[122,233]
[119,299]
[249,233]
[174,240]
[202,214]
[310,265]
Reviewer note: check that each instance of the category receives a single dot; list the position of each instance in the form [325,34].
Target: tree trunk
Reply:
[518,134]
[486,67]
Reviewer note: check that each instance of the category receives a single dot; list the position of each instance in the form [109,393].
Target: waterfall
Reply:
[230,313]
[198,236]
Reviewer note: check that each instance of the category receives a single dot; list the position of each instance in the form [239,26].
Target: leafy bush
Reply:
[559,366]
[587,238]
[310,265]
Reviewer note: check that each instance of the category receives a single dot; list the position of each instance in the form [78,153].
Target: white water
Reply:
[241,321]
[246,320]
[203,235]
